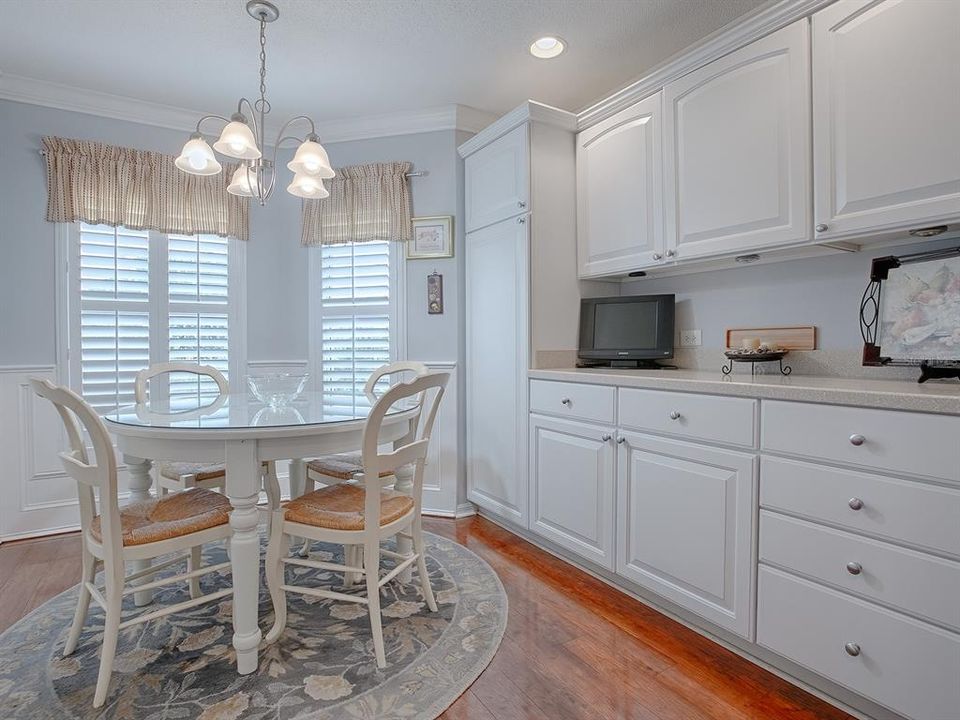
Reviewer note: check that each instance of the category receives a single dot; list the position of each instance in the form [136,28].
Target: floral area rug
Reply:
[182,667]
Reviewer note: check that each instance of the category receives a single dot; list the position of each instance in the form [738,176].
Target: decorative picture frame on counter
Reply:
[910,313]
[432,237]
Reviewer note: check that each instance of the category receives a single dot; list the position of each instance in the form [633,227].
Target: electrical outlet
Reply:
[689,338]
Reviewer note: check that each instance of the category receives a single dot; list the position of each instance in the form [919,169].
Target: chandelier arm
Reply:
[257,127]
[211,117]
[281,138]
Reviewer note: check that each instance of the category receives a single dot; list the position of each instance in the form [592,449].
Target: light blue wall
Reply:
[277,287]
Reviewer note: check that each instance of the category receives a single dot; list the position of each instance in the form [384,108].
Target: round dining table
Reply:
[238,430]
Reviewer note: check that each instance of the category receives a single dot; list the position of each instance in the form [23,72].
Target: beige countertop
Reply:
[931,397]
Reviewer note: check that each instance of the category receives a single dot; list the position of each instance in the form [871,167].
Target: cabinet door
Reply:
[497,261]
[497,180]
[620,192]
[737,149]
[685,526]
[572,486]
[886,115]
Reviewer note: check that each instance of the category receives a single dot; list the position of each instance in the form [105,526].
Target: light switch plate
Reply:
[690,338]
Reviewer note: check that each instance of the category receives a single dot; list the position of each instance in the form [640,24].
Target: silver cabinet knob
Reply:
[857,439]
[521,220]
[521,204]
[854,568]
[674,415]
[565,401]
[605,437]
[621,440]
[852,649]
[657,256]
[821,227]
[671,253]
[855,503]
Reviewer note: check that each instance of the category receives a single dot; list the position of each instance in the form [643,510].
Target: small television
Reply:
[627,331]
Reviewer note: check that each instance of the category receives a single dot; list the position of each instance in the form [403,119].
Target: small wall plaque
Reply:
[435,294]
[432,238]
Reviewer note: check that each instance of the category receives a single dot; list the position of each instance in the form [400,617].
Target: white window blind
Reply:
[356,297]
[139,298]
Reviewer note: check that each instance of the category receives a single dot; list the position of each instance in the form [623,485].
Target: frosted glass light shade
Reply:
[240,182]
[311,159]
[308,187]
[237,141]
[197,158]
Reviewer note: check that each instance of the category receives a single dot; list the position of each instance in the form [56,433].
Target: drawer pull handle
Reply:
[621,440]
[852,649]
[565,401]
[605,437]
[674,415]
[854,568]
[855,503]
[857,439]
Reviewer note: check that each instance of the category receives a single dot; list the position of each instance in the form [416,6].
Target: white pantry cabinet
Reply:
[737,149]
[685,525]
[497,258]
[619,192]
[886,116]
[497,180]
[572,486]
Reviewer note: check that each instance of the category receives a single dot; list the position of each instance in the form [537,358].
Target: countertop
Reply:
[931,397]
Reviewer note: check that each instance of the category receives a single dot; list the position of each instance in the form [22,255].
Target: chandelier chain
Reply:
[264,106]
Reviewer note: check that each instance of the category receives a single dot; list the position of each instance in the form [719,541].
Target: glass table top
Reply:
[238,410]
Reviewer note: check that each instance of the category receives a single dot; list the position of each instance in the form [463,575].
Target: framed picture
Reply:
[432,238]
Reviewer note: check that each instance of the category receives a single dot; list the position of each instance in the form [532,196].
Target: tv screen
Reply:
[628,328]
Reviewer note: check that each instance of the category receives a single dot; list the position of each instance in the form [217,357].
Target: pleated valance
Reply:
[138,189]
[366,203]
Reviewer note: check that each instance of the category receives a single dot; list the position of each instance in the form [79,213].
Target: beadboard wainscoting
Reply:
[37,497]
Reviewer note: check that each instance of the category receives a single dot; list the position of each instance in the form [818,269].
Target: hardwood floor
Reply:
[574,647]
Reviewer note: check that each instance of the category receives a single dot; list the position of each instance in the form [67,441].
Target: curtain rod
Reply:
[416,173]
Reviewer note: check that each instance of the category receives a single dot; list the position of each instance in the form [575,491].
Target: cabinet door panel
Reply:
[497,268]
[497,180]
[572,486]
[886,150]
[737,139]
[619,191]
[685,526]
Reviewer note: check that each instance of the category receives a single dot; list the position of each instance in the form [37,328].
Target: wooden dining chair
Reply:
[180,475]
[362,513]
[114,536]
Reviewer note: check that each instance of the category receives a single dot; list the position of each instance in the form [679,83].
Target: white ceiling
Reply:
[350,58]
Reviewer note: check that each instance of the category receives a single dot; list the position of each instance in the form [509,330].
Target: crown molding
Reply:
[67,97]
[530,110]
[742,31]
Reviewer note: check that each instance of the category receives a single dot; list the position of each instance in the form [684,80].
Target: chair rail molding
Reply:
[742,31]
[118,107]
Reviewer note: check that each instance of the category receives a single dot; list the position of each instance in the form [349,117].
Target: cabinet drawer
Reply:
[911,581]
[901,510]
[588,402]
[907,665]
[701,417]
[884,439]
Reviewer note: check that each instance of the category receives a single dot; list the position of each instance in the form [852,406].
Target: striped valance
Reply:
[366,203]
[138,189]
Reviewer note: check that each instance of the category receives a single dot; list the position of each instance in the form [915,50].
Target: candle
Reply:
[748,343]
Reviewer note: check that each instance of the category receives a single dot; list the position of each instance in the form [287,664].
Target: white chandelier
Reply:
[257,176]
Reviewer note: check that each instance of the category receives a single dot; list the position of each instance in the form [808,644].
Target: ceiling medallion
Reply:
[244,140]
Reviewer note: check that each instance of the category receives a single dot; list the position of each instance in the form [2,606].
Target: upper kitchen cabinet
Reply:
[619,192]
[498,180]
[886,116]
[737,158]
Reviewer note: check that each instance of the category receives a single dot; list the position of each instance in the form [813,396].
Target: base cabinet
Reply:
[685,525]
[572,486]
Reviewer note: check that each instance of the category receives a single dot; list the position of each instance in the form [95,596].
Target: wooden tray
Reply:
[798,337]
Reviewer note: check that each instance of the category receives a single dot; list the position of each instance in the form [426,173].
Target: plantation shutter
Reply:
[355,296]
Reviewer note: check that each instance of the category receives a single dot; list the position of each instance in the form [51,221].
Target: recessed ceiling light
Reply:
[546,47]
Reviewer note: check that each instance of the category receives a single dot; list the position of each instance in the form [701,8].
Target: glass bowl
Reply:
[277,389]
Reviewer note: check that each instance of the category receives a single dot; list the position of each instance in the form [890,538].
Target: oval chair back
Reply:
[99,473]
[140,382]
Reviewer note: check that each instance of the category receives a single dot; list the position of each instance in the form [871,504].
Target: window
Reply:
[136,298]
[356,322]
